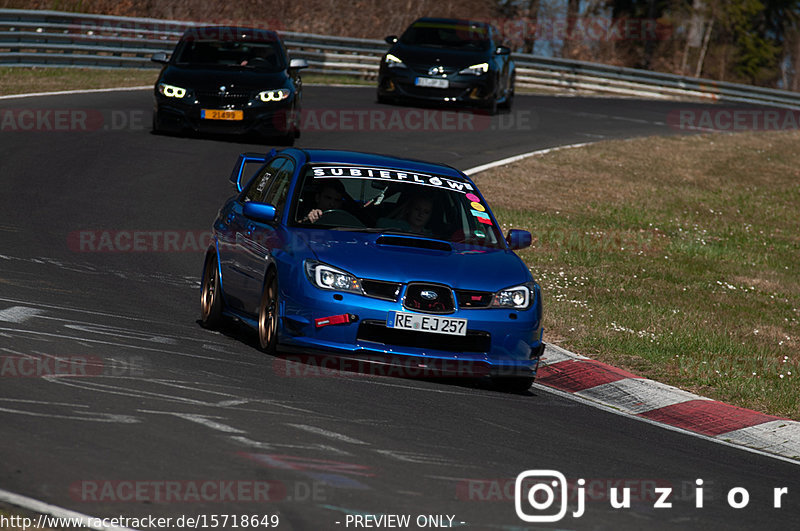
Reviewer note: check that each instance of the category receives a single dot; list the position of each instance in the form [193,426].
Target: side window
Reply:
[259,185]
[279,189]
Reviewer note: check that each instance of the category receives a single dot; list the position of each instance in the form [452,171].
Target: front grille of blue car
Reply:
[377,332]
[380,289]
[429,298]
[474,299]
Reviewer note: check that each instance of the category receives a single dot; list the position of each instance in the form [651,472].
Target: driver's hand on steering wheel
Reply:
[314,215]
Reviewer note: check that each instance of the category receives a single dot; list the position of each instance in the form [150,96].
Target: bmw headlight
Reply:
[392,61]
[476,70]
[517,298]
[171,91]
[327,277]
[274,95]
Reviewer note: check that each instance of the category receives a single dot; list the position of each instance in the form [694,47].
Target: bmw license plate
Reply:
[218,114]
[431,82]
[427,323]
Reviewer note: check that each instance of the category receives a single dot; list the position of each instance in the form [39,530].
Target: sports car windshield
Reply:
[384,200]
[438,35]
[266,56]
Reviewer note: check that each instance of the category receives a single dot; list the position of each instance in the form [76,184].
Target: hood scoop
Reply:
[418,243]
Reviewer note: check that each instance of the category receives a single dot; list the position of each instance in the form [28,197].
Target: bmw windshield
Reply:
[265,56]
[367,199]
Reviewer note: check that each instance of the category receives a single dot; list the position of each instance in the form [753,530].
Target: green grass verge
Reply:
[677,258]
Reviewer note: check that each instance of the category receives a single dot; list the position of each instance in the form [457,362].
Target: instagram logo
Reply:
[536,492]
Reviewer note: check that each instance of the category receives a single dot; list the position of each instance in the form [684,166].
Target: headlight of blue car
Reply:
[518,297]
[327,277]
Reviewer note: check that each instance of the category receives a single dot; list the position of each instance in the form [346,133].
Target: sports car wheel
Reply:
[210,293]
[268,315]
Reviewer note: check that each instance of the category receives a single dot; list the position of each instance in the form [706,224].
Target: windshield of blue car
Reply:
[385,200]
[439,35]
[266,56]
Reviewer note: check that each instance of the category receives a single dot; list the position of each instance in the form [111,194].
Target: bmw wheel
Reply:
[268,315]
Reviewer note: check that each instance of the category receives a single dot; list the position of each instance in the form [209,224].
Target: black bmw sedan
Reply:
[448,60]
[224,79]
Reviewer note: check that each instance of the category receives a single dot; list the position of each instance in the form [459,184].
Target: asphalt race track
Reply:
[174,420]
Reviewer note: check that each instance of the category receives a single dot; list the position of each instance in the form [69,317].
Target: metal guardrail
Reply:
[53,38]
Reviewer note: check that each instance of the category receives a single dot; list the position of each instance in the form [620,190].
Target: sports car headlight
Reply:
[171,91]
[476,70]
[518,297]
[273,95]
[327,277]
[392,61]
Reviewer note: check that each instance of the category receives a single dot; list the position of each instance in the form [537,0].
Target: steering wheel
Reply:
[339,217]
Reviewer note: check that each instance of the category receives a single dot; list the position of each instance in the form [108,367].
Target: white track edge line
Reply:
[515,158]
[53,510]
[68,92]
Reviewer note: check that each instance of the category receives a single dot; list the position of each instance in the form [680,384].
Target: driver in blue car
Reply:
[330,196]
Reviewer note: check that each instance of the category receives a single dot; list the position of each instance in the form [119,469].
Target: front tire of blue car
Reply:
[210,293]
[268,315]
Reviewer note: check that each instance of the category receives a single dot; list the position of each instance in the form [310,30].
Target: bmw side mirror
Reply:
[297,64]
[159,57]
[518,239]
[391,39]
[260,212]
[503,50]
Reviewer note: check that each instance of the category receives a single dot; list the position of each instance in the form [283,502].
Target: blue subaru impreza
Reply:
[358,256]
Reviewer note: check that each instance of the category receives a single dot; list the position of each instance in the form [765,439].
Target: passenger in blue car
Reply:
[412,216]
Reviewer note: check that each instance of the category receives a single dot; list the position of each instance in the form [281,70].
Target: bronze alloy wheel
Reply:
[268,315]
[210,296]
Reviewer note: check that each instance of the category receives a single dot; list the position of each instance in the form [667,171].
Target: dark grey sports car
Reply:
[225,79]
[448,60]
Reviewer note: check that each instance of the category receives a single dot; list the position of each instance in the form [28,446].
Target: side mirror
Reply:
[159,57]
[297,64]
[391,39]
[503,50]
[260,212]
[518,239]
[239,176]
